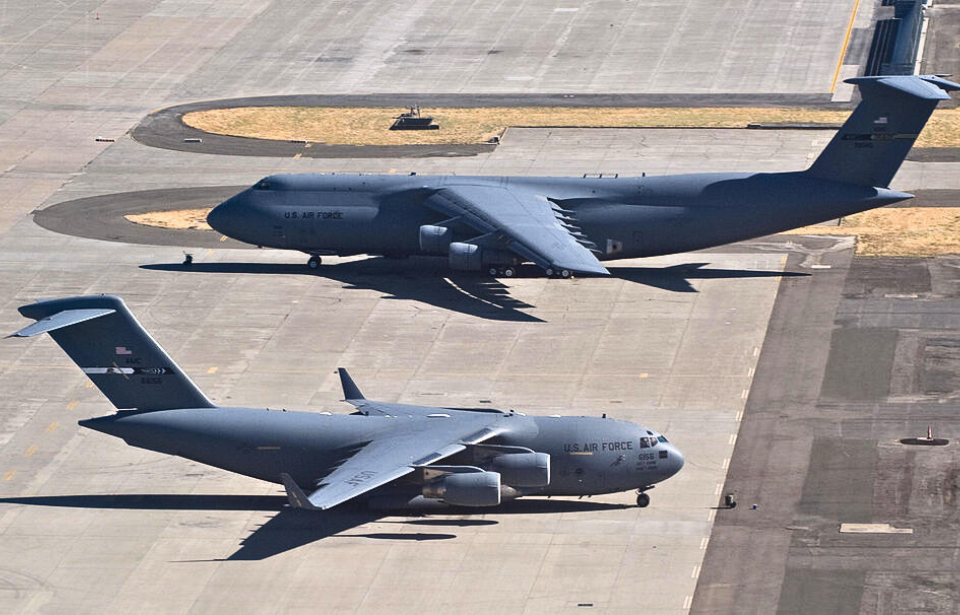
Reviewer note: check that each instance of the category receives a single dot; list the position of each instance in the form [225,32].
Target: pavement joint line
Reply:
[72,404]
[30,451]
[52,426]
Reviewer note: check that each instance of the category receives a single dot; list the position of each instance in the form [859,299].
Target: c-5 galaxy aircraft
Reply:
[567,225]
[391,455]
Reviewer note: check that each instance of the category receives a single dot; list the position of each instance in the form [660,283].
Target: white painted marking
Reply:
[718,489]
[820,267]
[739,416]
[711,515]
[687,603]
[733,439]
[107,370]
[696,572]
[756,350]
[745,393]
[566,10]
[751,372]
[873,528]
[704,542]
[726,463]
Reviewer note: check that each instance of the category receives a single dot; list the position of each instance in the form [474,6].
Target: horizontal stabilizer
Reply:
[60,320]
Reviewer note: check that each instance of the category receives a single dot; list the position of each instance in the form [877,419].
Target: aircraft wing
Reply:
[416,441]
[532,226]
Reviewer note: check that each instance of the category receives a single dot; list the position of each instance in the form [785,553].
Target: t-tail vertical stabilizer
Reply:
[872,144]
[104,339]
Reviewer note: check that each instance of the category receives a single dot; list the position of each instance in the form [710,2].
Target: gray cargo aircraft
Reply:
[390,455]
[567,225]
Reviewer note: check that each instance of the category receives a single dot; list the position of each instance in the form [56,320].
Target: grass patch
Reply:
[370,126]
[178,219]
[899,231]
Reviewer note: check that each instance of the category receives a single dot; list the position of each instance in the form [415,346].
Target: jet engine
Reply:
[466,489]
[471,257]
[435,239]
[465,256]
[523,469]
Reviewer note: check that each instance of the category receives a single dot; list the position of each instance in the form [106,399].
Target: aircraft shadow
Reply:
[291,528]
[417,279]
[676,278]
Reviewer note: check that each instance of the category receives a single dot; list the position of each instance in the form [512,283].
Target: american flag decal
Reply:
[123,350]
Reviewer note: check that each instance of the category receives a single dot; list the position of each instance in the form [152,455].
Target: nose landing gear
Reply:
[643,500]
[314,262]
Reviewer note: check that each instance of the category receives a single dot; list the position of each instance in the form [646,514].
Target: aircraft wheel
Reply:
[550,273]
[493,271]
[509,272]
[643,500]
[564,273]
[314,262]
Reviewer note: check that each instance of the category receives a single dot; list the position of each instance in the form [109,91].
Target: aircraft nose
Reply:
[221,218]
[676,460]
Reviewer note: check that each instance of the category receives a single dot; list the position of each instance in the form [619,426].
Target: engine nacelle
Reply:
[465,256]
[523,469]
[435,239]
[471,257]
[467,489]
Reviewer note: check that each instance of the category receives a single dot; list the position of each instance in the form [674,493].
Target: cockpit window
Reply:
[646,442]
[661,439]
[263,185]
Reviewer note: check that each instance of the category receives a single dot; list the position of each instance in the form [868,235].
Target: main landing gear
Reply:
[502,272]
[561,273]
[643,500]
[314,262]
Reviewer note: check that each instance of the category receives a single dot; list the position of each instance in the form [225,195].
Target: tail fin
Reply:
[102,337]
[875,139]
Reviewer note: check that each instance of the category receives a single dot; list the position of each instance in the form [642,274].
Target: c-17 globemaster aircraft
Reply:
[391,455]
[567,225]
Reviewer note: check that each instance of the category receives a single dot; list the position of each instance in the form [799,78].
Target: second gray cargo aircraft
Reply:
[567,225]
[390,455]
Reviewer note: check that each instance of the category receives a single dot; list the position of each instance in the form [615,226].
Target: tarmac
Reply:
[783,388]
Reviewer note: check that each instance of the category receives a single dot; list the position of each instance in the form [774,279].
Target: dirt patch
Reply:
[178,219]
[370,126]
[899,231]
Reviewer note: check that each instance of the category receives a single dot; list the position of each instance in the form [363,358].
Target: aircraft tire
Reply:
[493,271]
[314,262]
[550,273]
[509,272]
[643,500]
[564,273]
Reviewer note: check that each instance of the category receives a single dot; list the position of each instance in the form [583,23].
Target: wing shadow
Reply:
[676,278]
[418,279]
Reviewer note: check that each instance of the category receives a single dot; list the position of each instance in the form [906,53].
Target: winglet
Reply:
[350,390]
[296,496]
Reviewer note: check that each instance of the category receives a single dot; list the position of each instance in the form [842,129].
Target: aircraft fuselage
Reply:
[588,456]
[624,217]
